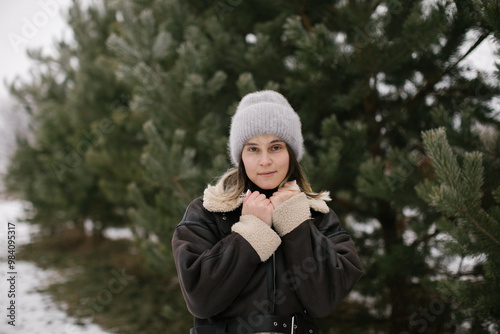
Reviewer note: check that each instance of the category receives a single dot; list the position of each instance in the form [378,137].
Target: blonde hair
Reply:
[235,181]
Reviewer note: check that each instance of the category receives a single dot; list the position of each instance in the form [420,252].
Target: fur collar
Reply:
[213,200]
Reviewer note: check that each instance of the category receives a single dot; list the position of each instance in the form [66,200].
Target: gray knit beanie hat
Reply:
[265,112]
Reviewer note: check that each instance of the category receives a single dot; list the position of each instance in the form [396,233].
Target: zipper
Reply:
[274,283]
[271,283]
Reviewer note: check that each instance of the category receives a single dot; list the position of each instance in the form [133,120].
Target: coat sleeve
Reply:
[322,259]
[213,270]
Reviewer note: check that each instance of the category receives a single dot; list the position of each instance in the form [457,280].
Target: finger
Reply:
[291,185]
[275,199]
[252,195]
[247,194]
[276,194]
[261,198]
[256,198]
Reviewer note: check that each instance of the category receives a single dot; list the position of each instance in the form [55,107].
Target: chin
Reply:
[268,186]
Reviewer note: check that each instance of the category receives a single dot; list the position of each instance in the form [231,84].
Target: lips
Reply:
[267,174]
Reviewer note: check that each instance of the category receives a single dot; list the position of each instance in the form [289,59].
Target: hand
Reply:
[258,205]
[284,193]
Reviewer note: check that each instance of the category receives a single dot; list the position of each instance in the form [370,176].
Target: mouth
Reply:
[267,174]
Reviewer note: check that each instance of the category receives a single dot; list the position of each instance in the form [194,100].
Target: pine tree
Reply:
[366,77]
[74,101]
[177,127]
[463,186]
[363,76]
[470,217]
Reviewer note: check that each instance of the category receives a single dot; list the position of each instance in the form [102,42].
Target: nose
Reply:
[265,160]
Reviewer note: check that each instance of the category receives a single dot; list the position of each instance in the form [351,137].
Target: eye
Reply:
[276,147]
[252,149]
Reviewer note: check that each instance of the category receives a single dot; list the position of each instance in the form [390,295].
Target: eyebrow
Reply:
[272,142]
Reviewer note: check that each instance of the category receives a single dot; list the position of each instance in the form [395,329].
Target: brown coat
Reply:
[233,266]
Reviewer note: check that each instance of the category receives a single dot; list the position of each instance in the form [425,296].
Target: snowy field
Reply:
[35,312]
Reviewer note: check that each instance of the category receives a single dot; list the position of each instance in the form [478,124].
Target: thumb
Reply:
[247,194]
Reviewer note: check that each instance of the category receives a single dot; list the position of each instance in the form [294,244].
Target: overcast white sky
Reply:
[24,24]
[28,24]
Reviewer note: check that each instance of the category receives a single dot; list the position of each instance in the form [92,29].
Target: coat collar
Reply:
[215,200]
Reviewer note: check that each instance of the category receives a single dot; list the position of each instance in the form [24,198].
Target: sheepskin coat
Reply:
[232,266]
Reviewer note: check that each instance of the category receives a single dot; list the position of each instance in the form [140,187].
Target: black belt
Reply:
[259,323]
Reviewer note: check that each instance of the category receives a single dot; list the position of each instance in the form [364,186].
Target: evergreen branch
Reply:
[400,54]
[449,172]
[175,181]
[172,115]
[474,221]
[375,5]
[447,169]
[351,206]
[466,274]
[429,85]
[496,193]
[425,238]
[305,18]
[472,48]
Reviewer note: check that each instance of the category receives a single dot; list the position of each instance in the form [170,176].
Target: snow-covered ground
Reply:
[35,312]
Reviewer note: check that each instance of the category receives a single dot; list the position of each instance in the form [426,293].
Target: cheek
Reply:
[285,164]
[247,163]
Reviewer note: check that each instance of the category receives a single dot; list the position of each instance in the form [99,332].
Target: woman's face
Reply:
[266,160]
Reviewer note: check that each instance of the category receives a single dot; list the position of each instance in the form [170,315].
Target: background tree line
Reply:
[130,122]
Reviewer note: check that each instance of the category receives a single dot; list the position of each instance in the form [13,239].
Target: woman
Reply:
[260,252]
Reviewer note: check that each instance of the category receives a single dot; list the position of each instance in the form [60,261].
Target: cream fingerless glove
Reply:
[291,213]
